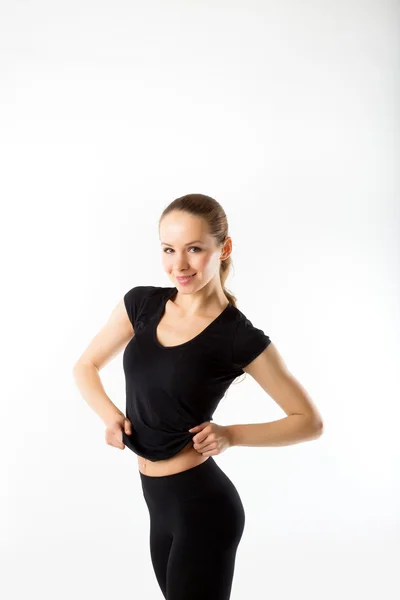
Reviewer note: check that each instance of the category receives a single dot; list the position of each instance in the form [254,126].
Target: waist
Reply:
[187,458]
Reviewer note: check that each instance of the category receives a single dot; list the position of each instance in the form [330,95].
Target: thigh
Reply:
[160,547]
[198,571]
[202,557]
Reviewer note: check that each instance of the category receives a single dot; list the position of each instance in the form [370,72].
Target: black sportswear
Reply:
[170,389]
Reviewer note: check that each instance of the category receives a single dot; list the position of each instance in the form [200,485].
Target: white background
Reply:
[288,114]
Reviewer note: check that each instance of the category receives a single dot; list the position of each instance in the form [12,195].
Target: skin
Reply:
[187,248]
[202,299]
[204,295]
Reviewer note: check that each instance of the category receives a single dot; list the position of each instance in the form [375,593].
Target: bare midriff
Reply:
[185,459]
[174,330]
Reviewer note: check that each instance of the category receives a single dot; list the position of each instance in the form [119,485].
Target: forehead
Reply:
[183,228]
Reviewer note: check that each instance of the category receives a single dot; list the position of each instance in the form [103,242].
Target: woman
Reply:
[183,347]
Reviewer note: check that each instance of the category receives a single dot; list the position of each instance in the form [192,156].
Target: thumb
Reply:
[127,427]
[197,428]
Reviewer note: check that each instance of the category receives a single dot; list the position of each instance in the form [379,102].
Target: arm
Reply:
[303,421]
[110,340]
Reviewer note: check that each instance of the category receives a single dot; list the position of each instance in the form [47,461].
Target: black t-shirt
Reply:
[170,389]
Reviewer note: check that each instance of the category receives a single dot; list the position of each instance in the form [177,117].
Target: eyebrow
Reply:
[188,244]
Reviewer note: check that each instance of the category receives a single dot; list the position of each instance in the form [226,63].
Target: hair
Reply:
[212,212]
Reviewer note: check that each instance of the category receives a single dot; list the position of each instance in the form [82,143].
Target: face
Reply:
[188,249]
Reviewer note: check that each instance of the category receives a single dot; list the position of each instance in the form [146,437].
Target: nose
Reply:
[181,264]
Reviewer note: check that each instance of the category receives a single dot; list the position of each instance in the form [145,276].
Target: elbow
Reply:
[75,372]
[312,425]
[77,366]
[315,425]
[81,363]
[319,427]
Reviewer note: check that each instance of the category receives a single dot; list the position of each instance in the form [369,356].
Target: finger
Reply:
[201,437]
[211,452]
[207,448]
[115,443]
[117,440]
[201,426]
[199,443]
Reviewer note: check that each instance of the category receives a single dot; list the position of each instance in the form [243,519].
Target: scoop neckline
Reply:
[160,313]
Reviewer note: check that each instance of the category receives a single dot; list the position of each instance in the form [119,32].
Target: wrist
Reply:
[231,434]
[111,417]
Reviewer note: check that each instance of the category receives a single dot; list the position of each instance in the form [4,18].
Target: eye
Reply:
[196,247]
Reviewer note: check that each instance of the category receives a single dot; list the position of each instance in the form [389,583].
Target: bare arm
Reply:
[109,342]
[303,421]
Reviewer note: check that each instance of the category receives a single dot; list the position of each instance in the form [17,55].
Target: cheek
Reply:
[209,261]
[201,262]
[166,261]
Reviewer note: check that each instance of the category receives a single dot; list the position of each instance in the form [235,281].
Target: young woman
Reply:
[183,347]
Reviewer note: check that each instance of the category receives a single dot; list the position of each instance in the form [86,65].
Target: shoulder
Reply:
[136,297]
[248,341]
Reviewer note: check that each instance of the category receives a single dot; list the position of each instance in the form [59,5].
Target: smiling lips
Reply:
[186,278]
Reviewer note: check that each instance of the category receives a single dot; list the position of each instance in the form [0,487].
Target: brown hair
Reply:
[213,213]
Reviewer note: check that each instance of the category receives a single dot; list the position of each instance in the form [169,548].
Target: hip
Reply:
[202,498]
[184,460]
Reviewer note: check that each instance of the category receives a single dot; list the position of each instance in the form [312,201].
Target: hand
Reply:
[211,439]
[114,429]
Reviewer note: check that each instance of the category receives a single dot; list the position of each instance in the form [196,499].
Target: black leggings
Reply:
[196,523]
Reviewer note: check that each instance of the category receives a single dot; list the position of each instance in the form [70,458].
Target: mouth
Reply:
[186,277]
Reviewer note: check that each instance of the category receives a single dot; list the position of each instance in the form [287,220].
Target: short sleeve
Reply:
[133,300]
[248,343]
